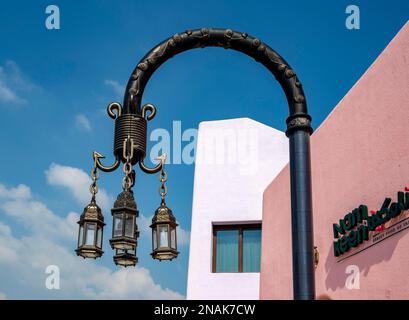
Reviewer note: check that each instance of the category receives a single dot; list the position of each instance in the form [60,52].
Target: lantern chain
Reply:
[163,177]
[93,188]
[128,180]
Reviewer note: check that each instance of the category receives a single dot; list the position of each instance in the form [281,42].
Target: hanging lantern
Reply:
[124,229]
[163,226]
[125,258]
[164,246]
[91,226]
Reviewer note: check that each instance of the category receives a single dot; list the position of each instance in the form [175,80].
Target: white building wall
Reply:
[235,161]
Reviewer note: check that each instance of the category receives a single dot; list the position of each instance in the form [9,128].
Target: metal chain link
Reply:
[93,188]
[163,177]
[127,181]
[127,169]
[163,190]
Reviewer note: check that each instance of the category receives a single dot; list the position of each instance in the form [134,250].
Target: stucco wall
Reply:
[360,155]
[235,161]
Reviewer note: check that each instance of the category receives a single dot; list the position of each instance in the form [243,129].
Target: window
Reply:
[236,248]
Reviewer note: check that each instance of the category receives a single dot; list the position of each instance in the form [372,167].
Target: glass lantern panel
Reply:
[173,238]
[90,236]
[117,232]
[81,236]
[163,236]
[154,239]
[99,237]
[129,225]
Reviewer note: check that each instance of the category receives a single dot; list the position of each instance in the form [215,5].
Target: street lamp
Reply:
[131,131]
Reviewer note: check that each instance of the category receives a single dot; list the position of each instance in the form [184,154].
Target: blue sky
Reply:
[56,84]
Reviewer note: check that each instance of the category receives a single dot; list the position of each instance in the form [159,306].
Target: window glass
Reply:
[251,250]
[99,237]
[163,236]
[117,225]
[173,238]
[155,242]
[129,225]
[81,236]
[227,251]
[90,234]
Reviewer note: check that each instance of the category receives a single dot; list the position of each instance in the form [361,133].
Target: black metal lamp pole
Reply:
[131,122]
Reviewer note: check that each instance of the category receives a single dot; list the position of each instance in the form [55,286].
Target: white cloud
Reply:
[7,94]
[20,192]
[23,260]
[3,296]
[7,246]
[77,181]
[131,282]
[82,122]
[34,215]
[5,229]
[117,88]
[144,225]
[13,83]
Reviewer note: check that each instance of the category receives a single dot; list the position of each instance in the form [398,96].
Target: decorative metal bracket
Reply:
[316,257]
[145,169]
[133,126]
[152,109]
[114,106]
[148,107]
[96,156]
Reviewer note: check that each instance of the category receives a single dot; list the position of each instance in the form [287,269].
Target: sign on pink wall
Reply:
[359,230]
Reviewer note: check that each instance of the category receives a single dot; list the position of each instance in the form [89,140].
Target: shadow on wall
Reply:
[380,252]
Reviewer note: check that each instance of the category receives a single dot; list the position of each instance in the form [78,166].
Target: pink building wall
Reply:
[360,155]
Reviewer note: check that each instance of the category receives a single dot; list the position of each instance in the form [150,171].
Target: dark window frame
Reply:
[227,227]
